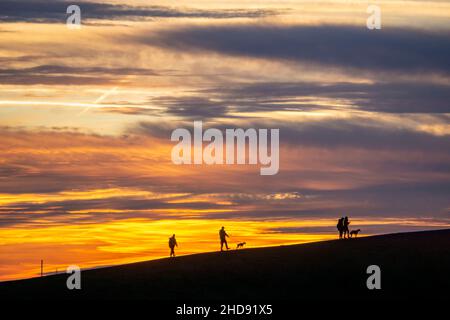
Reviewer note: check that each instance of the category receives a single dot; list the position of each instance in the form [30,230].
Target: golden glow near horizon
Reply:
[85,119]
[131,240]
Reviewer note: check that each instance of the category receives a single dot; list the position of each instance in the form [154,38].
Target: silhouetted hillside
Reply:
[413,265]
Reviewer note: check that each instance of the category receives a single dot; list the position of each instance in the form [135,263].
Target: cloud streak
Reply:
[393,50]
[45,11]
[67,75]
[230,99]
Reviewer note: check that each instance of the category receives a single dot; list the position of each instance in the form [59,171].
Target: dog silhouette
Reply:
[354,233]
[240,245]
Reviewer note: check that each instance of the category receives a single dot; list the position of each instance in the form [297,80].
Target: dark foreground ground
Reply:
[413,265]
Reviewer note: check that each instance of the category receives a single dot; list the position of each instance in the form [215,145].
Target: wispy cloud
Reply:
[67,75]
[392,50]
[46,11]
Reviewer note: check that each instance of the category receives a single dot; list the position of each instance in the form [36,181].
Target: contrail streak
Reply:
[99,99]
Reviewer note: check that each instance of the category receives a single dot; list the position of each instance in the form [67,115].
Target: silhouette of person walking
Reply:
[172,244]
[340,227]
[346,230]
[223,238]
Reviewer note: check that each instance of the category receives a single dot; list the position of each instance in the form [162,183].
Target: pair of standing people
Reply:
[342,226]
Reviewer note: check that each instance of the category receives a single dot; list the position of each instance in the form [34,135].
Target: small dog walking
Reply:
[354,233]
[240,245]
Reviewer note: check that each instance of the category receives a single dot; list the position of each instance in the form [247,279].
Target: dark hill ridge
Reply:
[413,265]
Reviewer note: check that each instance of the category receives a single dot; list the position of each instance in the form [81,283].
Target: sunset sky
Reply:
[86,114]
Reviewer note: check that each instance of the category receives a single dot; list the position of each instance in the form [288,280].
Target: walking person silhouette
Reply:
[223,238]
[172,244]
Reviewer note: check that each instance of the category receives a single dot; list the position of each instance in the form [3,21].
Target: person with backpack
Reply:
[340,227]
